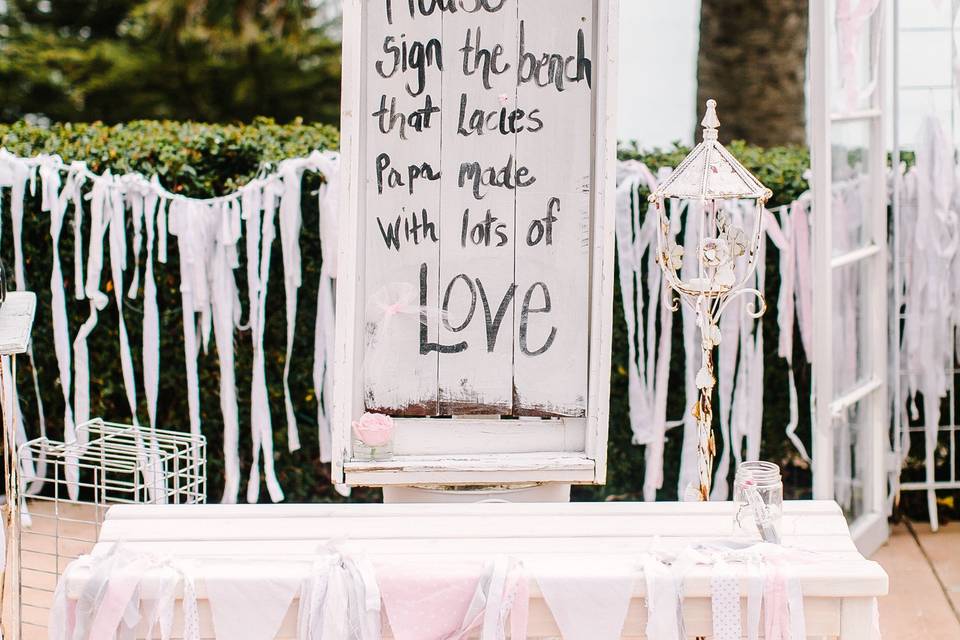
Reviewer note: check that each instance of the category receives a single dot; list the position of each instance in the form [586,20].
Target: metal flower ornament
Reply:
[710,179]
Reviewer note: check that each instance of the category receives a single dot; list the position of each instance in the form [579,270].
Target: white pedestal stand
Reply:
[534,492]
[16,320]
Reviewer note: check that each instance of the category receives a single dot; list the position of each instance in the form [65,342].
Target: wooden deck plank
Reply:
[916,608]
[941,549]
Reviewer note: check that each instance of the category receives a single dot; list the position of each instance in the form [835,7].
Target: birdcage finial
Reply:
[710,121]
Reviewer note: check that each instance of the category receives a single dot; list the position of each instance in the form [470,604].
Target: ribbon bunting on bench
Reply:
[345,595]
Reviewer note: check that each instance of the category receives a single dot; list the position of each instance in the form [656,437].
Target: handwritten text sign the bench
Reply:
[477,206]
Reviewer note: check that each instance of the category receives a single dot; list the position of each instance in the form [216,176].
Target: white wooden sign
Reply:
[476,249]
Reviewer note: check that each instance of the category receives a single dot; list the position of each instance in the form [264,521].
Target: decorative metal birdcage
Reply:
[726,258]
[108,464]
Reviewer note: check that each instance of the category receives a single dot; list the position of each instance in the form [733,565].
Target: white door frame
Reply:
[870,529]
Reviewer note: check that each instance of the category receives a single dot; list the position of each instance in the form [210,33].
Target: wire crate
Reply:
[108,464]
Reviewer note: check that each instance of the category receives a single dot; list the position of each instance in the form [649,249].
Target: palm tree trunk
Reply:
[752,61]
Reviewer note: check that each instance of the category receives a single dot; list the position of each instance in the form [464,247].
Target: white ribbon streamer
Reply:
[58,303]
[324,330]
[189,222]
[226,316]
[290,224]
[118,263]
[99,221]
[260,420]
[151,315]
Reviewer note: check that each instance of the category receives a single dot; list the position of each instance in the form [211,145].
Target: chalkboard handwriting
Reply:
[506,177]
[446,303]
[493,323]
[500,120]
[481,233]
[395,178]
[541,228]
[416,56]
[415,230]
[418,119]
[488,109]
[475,58]
[525,312]
[493,319]
[553,68]
[428,7]
[425,345]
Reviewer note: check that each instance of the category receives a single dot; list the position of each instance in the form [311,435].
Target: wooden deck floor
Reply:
[924,569]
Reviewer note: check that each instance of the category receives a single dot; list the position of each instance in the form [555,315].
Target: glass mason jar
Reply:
[758,492]
[364,452]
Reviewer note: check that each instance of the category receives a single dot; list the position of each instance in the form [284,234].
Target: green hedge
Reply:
[204,160]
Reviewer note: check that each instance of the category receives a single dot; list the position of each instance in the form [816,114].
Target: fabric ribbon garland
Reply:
[588,598]
[115,599]
[18,176]
[329,206]
[725,587]
[151,312]
[225,306]
[99,198]
[290,224]
[260,420]
[341,598]
[792,241]
[649,319]
[209,232]
[648,354]
[118,264]
[55,201]
[930,245]
[770,581]
[342,594]
[740,373]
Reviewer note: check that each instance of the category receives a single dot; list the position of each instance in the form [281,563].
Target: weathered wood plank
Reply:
[477,252]
[403,137]
[431,528]
[468,436]
[552,315]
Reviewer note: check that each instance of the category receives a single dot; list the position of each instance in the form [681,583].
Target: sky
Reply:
[659,40]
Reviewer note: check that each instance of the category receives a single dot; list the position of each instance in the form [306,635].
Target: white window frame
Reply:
[474,451]
[870,529]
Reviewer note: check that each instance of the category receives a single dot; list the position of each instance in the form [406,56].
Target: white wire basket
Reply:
[108,464]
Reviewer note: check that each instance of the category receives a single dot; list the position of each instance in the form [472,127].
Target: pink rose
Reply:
[374,429]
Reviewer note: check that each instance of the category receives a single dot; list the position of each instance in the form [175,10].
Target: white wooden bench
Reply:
[838,591]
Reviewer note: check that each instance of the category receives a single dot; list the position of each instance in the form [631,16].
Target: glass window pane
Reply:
[852,199]
[924,14]
[855,56]
[850,364]
[917,104]
[851,459]
[926,57]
